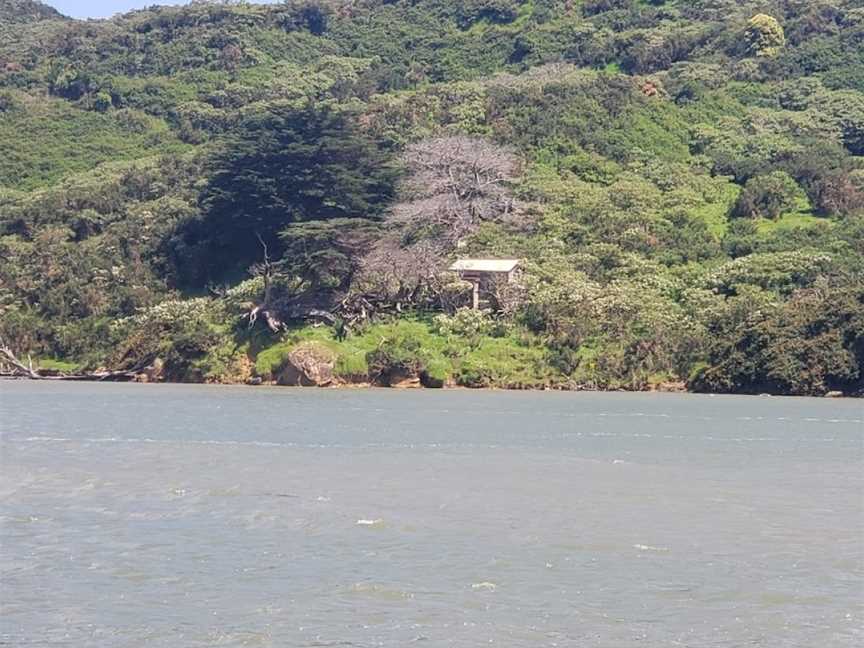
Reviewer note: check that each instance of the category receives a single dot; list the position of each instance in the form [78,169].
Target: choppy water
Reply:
[174,516]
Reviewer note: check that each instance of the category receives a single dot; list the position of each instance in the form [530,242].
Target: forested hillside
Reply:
[210,192]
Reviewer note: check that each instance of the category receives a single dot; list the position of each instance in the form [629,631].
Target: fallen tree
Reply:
[12,367]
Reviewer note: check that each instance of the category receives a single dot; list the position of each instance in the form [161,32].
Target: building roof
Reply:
[484,265]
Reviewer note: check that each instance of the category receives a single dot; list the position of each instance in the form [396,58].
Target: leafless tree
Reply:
[396,275]
[265,270]
[453,185]
[12,366]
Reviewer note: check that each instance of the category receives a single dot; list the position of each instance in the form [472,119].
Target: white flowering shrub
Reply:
[780,271]
[250,290]
[174,313]
[465,322]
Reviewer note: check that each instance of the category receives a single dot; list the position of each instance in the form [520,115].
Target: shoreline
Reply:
[369,386]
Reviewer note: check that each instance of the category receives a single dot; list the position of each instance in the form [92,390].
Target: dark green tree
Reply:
[326,254]
[281,166]
[809,345]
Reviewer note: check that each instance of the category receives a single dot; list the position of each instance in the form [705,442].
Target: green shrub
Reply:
[768,196]
[270,361]
[400,355]
[465,322]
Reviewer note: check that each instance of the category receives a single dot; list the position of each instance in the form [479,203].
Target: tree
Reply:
[453,185]
[765,35]
[809,345]
[828,176]
[838,193]
[327,254]
[282,165]
[493,11]
[782,272]
[767,196]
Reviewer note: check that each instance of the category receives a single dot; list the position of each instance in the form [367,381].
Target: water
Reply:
[175,516]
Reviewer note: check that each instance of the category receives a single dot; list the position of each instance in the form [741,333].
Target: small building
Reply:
[483,274]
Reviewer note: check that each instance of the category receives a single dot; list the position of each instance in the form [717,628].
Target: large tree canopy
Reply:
[281,166]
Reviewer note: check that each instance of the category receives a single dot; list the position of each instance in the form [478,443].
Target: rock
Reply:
[834,394]
[151,373]
[428,381]
[406,382]
[309,365]
[254,380]
[400,379]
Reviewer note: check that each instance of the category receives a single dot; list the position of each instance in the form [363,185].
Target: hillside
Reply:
[14,12]
[214,191]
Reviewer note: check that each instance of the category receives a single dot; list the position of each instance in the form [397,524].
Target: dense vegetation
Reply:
[208,188]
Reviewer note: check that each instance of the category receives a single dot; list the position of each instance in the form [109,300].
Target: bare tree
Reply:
[11,366]
[453,185]
[266,270]
[396,275]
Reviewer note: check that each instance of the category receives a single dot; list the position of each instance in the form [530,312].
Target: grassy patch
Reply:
[53,364]
[504,362]
[484,361]
[800,218]
[716,213]
[269,361]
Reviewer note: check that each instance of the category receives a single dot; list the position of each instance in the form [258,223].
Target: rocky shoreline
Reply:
[312,365]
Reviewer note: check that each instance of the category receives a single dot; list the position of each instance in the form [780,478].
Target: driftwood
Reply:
[12,367]
[18,368]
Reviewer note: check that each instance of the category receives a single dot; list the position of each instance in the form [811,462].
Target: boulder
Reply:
[154,372]
[672,386]
[308,365]
[405,382]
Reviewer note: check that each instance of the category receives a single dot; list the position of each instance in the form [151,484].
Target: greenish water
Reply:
[182,515]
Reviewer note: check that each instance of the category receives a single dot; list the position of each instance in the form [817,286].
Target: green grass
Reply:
[715,214]
[801,217]
[53,364]
[269,361]
[504,362]
[479,362]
